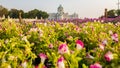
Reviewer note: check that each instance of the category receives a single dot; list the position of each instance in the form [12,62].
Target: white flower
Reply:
[24,38]
[110,32]
[45,24]
[33,30]
[24,64]
[9,66]
[12,57]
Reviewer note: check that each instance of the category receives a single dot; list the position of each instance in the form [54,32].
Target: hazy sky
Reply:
[85,8]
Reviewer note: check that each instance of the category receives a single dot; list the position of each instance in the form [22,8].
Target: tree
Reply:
[118,12]
[25,15]
[14,13]
[3,11]
[44,15]
[111,13]
[33,13]
[37,13]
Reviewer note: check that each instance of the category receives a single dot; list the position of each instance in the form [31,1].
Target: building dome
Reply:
[60,8]
[60,15]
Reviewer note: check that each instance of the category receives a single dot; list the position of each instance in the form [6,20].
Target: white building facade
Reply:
[61,15]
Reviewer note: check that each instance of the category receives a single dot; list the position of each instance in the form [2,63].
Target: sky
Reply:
[84,8]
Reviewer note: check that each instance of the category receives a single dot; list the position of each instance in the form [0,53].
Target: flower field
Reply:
[54,45]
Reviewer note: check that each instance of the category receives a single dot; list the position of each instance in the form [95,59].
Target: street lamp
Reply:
[118,4]
[118,10]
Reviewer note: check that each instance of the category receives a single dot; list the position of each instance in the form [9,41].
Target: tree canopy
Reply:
[113,13]
[14,13]
[3,11]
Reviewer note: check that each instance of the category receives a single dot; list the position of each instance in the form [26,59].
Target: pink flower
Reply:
[63,48]
[60,63]
[114,37]
[50,46]
[40,67]
[104,42]
[102,47]
[108,56]
[79,44]
[43,57]
[89,56]
[96,65]
[77,29]
[72,52]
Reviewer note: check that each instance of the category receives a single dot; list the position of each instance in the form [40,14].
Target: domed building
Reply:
[61,15]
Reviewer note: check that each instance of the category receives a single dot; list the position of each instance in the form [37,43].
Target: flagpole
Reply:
[118,4]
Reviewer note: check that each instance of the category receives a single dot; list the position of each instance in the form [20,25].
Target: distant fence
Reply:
[75,21]
[26,20]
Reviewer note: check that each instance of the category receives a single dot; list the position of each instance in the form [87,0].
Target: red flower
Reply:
[36,66]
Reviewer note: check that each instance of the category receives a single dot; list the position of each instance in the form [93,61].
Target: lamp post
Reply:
[20,18]
[118,4]
[118,8]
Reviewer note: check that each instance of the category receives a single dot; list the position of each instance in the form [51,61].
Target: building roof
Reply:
[60,7]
